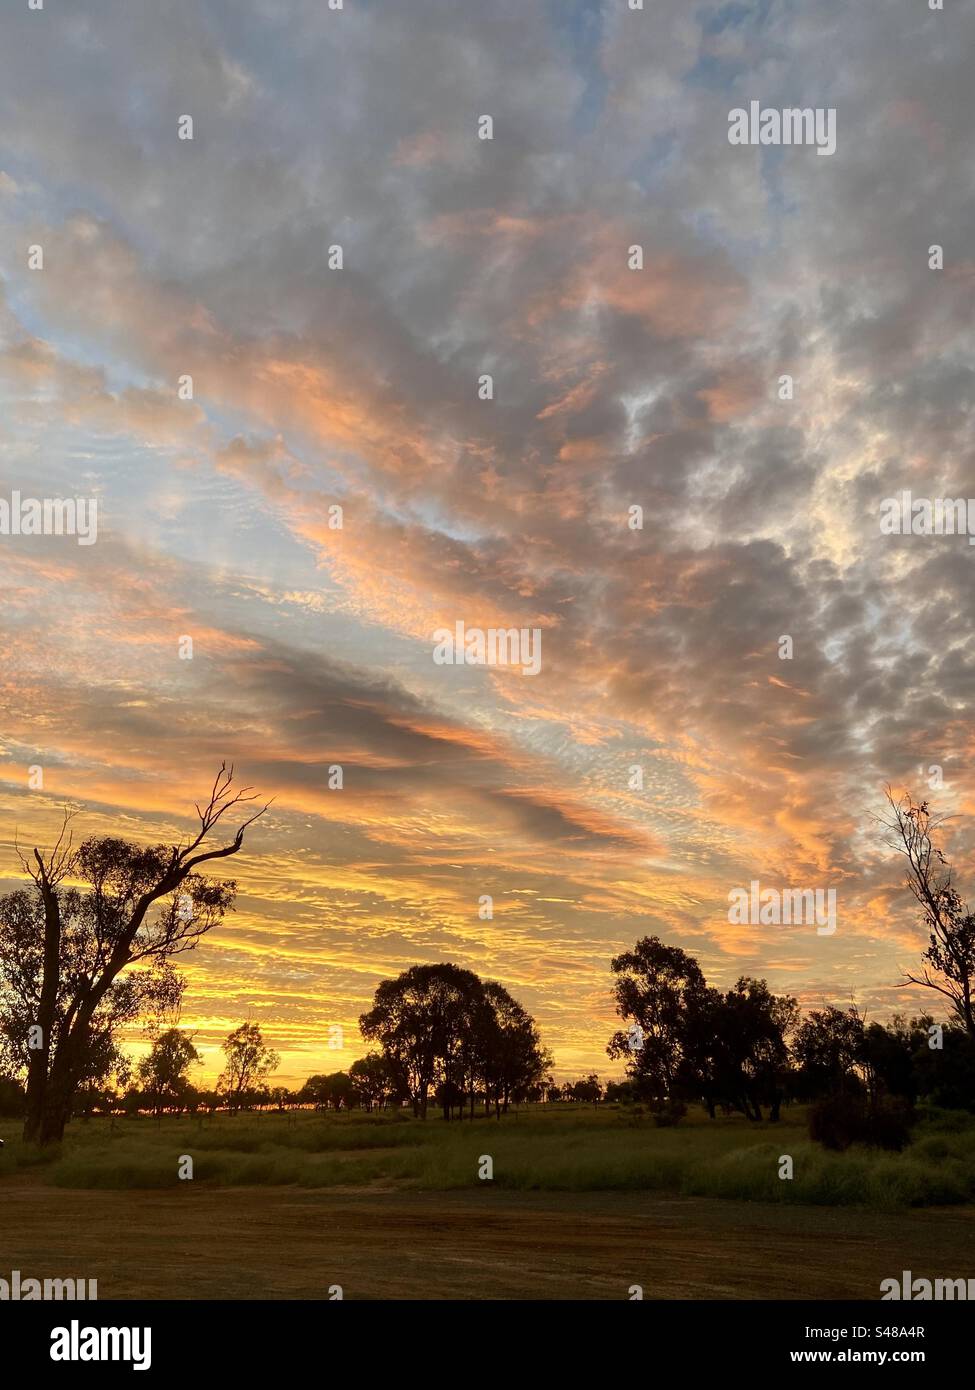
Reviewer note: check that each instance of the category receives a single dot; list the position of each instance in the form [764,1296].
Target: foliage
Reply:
[444,1032]
[249,1062]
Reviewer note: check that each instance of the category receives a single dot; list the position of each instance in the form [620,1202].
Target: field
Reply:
[582,1204]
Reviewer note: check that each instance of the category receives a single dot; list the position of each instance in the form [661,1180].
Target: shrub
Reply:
[669,1112]
[842,1120]
[13,1101]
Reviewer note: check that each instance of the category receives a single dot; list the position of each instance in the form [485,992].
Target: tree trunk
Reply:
[58,1092]
[53,1122]
[36,1083]
[39,1058]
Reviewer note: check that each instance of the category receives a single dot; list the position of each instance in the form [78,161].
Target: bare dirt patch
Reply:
[293,1243]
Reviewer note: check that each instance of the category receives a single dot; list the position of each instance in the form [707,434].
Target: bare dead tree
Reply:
[950,955]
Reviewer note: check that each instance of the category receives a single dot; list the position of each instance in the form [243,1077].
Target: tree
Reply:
[748,1060]
[946,1076]
[315,1092]
[512,1057]
[373,1081]
[67,981]
[900,1061]
[441,1030]
[687,1040]
[951,926]
[618,1092]
[96,1100]
[162,1073]
[256,1095]
[209,1100]
[889,1057]
[418,1019]
[249,1063]
[829,1047]
[281,1098]
[336,1090]
[659,989]
[589,1090]
[479,1061]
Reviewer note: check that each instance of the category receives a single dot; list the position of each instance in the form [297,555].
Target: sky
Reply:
[360,387]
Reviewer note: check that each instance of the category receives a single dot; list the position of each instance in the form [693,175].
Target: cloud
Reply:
[612,388]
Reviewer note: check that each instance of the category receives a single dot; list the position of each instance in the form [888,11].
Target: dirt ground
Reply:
[251,1242]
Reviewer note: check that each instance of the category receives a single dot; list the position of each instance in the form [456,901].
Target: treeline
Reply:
[160,1082]
[749,1050]
[370,1084]
[444,1035]
[87,948]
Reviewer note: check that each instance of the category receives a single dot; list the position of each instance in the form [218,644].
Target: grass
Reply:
[548,1149]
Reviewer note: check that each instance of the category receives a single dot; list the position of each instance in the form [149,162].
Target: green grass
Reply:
[555,1149]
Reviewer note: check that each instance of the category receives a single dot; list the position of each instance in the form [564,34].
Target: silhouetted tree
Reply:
[374,1081]
[618,1092]
[513,1057]
[946,1076]
[658,989]
[830,1050]
[249,1062]
[950,925]
[588,1090]
[334,1091]
[162,1073]
[441,1029]
[66,953]
[750,1058]
[417,1020]
[687,1040]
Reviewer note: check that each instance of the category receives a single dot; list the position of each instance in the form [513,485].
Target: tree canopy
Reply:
[444,1032]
